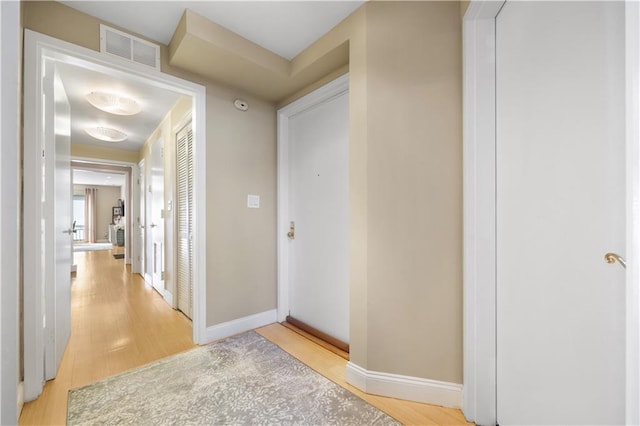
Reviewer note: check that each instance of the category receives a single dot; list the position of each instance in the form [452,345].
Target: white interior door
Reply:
[319,209]
[560,207]
[155,223]
[58,254]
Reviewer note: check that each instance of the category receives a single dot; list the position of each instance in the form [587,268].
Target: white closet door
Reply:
[560,207]
[185,219]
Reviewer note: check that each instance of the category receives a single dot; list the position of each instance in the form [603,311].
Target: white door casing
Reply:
[141,220]
[632,323]
[480,214]
[148,229]
[313,193]
[36,48]
[10,59]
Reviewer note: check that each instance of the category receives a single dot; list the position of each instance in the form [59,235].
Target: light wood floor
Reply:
[119,323]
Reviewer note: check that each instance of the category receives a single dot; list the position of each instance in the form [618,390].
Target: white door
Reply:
[319,210]
[184,209]
[155,216]
[560,207]
[58,216]
[141,217]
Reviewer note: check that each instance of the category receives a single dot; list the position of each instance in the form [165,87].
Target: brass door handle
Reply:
[613,258]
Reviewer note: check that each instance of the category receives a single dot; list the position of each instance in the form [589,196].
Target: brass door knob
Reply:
[613,258]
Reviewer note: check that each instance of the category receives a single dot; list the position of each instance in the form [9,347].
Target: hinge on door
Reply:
[43,153]
[162,275]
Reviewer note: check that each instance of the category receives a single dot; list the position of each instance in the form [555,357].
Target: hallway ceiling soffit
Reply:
[210,50]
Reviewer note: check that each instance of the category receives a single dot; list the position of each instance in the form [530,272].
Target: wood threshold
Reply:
[319,336]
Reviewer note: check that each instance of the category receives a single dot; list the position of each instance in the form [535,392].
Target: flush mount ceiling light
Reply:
[114,104]
[106,134]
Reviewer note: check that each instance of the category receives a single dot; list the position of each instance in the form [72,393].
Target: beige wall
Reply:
[405,185]
[414,147]
[83,151]
[106,198]
[243,146]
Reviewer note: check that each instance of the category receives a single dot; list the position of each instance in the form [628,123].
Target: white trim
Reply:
[10,61]
[20,397]
[240,325]
[632,60]
[32,242]
[199,115]
[317,97]
[405,387]
[36,46]
[479,360]
[92,161]
[168,296]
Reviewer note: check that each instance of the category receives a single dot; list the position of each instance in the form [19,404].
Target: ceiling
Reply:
[88,177]
[155,103]
[283,27]
[251,49]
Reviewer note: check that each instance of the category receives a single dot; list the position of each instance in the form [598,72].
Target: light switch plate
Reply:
[253,201]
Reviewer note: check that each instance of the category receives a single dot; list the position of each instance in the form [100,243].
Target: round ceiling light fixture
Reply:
[107,134]
[113,104]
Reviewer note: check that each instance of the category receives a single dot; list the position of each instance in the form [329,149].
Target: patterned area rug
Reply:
[242,380]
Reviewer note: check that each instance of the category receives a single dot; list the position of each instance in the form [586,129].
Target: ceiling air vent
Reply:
[129,47]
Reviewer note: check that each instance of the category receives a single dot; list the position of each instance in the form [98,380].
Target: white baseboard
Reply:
[240,325]
[20,397]
[405,387]
[168,297]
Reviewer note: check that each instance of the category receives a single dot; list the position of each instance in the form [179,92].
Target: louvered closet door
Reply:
[185,218]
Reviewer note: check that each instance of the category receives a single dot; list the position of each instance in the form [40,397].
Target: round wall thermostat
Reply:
[241,105]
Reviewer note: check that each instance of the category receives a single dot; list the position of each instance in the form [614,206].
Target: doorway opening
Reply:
[42,162]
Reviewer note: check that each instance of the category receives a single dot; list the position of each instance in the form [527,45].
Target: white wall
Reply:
[107,198]
[10,47]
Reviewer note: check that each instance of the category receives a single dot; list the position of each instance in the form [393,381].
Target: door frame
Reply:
[129,170]
[36,47]
[10,225]
[479,221]
[323,94]
[139,194]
